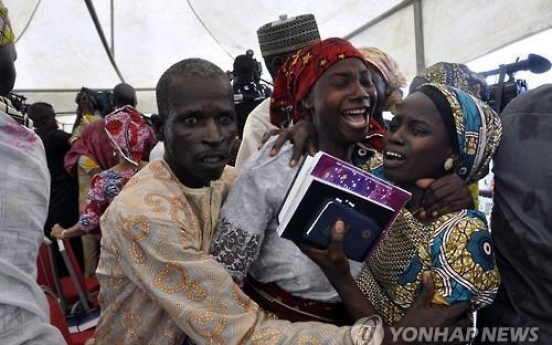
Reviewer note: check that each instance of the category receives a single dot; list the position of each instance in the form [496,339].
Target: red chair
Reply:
[85,289]
[47,275]
[57,319]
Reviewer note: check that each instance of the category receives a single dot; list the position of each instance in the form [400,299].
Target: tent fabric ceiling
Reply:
[60,48]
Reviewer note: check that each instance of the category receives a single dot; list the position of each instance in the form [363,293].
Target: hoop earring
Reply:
[449,164]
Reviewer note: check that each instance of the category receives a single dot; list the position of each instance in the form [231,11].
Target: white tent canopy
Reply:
[59,49]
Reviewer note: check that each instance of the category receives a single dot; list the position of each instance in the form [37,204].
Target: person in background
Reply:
[278,40]
[89,155]
[128,133]
[24,194]
[87,112]
[438,130]
[521,220]
[64,187]
[453,74]
[64,192]
[388,81]
[248,89]
[124,94]
[159,149]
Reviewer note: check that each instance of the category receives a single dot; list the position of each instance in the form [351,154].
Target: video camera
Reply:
[19,102]
[246,67]
[501,93]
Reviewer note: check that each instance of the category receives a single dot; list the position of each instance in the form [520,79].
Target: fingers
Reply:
[428,289]
[336,239]
[424,183]
[278,143]
[270,133]
[312,147]
[298,149]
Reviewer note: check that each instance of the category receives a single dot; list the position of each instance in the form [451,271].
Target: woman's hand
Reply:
[444,195]
[302,135]
[332,260]
[57,231]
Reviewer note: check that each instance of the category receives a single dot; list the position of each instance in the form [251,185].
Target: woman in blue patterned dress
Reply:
[437,131]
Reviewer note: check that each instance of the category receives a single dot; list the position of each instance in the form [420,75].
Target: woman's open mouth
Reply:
[393,159]
[356,118]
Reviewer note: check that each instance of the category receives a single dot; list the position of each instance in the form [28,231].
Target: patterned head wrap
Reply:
[128,133]
[6,34]
[299,74]
[476,125]
[390,71]
[288,34]
[458,76]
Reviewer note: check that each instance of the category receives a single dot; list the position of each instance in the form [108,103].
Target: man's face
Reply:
[273,63]
[199,129]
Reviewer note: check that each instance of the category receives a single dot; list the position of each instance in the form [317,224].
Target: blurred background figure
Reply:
[128,133]
[249,91]
[521,220]
[278,40]
[90,154]
[124,94]
[91,105]
[64,192]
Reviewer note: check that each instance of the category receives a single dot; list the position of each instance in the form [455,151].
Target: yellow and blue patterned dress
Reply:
[455,250]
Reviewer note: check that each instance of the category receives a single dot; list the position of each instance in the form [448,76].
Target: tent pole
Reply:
[94,16]
[112,18]
[419,35]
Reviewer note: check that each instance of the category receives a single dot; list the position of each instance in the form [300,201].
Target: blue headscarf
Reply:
[474,126]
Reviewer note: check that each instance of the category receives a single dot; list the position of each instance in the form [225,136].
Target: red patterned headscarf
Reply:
[299,74]
[128,133]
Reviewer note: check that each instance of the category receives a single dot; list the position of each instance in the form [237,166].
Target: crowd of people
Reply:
[184,245]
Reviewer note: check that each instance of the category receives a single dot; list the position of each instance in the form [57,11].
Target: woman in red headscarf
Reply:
[330,84]
[127,133]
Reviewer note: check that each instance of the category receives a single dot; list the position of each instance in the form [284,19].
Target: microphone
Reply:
[534,63]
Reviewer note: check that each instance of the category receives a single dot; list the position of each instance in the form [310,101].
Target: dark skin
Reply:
[379,83]
[199,130]
[417,133]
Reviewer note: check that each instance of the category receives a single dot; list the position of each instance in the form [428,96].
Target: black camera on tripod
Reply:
[501,93]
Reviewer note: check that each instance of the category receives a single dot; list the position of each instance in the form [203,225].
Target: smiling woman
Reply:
[330,83]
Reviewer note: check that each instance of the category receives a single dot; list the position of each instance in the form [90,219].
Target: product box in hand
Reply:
[325,189]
